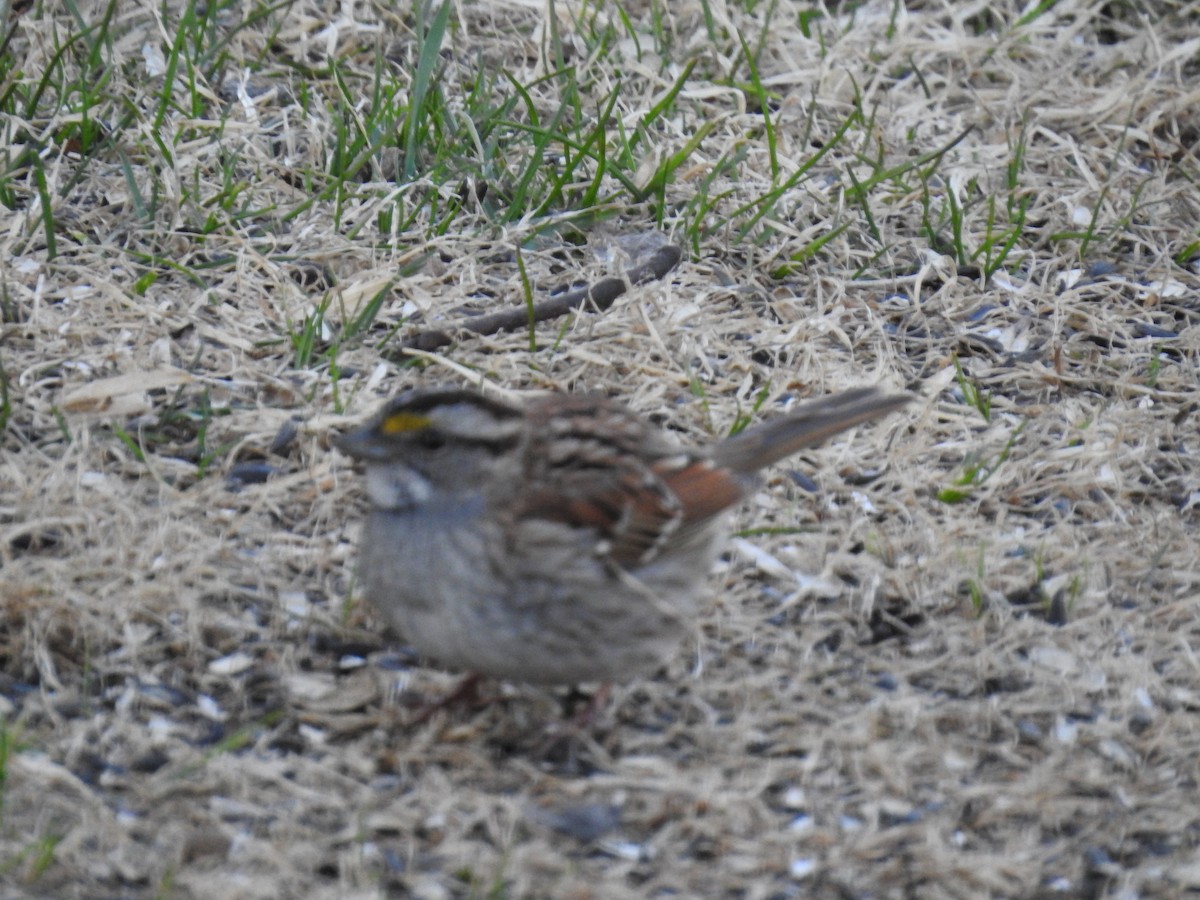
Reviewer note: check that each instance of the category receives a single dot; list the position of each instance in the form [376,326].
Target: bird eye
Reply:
[431,440]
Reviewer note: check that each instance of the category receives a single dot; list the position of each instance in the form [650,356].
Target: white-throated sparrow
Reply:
[562,542]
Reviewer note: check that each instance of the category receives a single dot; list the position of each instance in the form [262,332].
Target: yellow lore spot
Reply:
[401,422]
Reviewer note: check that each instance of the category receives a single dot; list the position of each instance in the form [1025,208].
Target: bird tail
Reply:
[806,426]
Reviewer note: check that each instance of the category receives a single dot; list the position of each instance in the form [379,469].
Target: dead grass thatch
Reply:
[965,667]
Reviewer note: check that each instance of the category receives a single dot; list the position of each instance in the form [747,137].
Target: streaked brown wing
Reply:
[600,467]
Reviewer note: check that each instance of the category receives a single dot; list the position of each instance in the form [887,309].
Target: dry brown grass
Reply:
[901,697]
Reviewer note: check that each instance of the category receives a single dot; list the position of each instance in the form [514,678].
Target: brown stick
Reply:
[600,295]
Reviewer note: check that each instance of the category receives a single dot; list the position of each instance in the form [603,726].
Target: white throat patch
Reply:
[392,487]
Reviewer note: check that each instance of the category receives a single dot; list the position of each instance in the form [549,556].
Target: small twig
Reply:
[924,275]
[600,295]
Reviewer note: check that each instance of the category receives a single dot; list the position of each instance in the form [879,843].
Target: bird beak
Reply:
[361,443]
